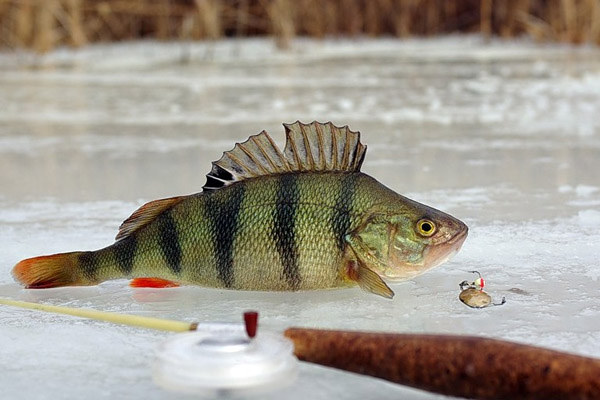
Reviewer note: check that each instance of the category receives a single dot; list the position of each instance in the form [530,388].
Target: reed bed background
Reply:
[42,25]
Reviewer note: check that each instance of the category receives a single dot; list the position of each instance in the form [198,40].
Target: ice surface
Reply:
[504,135]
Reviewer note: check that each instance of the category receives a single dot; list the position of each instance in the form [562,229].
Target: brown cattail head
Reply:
[470,367]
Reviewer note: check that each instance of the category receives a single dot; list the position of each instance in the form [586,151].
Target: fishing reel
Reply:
[225,359]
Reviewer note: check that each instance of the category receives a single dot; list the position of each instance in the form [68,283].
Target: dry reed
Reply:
[42,25]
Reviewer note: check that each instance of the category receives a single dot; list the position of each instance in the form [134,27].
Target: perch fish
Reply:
[302,219]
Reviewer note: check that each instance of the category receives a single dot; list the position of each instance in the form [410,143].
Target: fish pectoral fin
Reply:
[152,283]
[371,282]
[359,271]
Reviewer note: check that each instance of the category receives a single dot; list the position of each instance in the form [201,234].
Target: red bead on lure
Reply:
[251,323]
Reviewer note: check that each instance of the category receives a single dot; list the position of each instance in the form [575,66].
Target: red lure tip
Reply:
[251,322]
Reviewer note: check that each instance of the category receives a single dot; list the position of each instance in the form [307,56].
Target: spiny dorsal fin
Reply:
[323,147]
[309,147]
[145,214]
[257,156]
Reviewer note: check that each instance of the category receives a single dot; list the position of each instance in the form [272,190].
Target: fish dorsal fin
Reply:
[145,214]
[257,156]
[323,147]
[314,147]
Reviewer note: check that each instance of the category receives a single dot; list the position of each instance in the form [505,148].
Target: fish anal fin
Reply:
[145,214]
[152,283]
[368,280]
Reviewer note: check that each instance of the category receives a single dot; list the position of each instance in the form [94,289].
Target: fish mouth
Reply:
[440,253]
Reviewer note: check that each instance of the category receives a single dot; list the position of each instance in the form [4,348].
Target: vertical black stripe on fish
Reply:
[284,224]
[88,262]
[124,251]
[224,217]
[340,219]
[169,241]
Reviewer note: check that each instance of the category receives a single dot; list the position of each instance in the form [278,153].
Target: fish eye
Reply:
[425,227]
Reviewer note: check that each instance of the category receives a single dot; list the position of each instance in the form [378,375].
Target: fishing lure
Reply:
[472,294]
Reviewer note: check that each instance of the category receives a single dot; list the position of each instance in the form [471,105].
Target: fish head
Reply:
[402,246]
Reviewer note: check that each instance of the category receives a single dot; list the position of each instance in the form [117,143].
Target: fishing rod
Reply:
[116,318]
[463,366]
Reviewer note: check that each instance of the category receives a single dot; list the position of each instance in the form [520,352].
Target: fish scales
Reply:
[89,262]
[305,218]
[225,218]
[319,231]
[284,228]
[125,255]
[287,226]
[286,238]
[198,243]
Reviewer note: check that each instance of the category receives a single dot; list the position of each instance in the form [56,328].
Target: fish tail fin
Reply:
[50,271]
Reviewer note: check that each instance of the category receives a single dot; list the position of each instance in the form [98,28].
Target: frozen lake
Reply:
[503,135]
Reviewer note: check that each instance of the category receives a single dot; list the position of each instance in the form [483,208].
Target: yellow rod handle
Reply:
[125,319]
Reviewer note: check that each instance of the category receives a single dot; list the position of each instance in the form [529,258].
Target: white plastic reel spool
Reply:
[220,359]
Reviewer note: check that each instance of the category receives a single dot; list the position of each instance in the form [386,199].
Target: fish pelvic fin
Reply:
[50,271]
[152,283]
[146,214]
[314,147]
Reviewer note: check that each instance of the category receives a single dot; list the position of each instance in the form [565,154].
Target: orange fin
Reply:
[146,214]
[152,283]
[49,271]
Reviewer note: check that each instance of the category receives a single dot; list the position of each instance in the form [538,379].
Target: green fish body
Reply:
[303,219]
